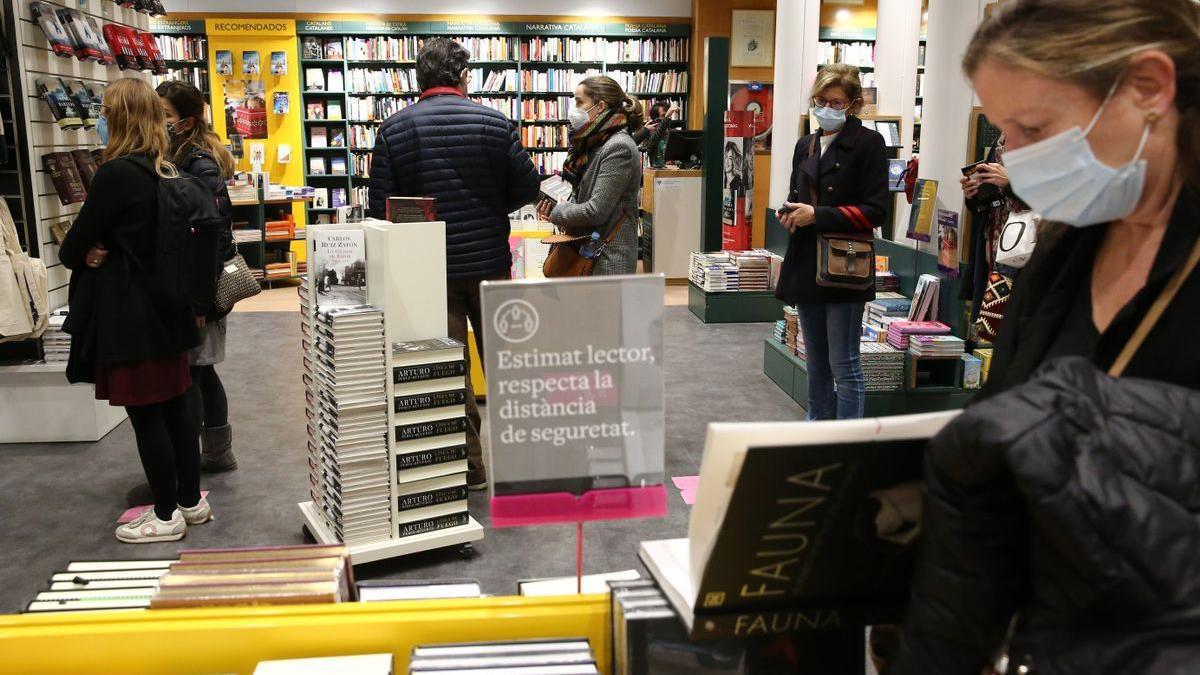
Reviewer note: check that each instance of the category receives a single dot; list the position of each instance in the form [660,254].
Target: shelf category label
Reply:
[167,26]
[468,27]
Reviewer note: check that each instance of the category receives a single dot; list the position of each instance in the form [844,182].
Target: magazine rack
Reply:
[406,272]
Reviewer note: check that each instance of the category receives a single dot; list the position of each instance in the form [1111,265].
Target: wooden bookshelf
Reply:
[184,46]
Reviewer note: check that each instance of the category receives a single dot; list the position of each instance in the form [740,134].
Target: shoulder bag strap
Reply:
[1156,311]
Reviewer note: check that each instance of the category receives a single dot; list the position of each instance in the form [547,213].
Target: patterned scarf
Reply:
[587,140]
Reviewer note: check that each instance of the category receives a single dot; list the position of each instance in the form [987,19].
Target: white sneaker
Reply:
[197,515]
[148,529]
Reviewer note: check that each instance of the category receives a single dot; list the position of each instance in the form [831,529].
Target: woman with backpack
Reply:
[130,331]
[197,150]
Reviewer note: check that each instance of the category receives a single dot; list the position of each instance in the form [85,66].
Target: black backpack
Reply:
[186,237]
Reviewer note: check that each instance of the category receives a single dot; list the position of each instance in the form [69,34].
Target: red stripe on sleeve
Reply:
[859,218]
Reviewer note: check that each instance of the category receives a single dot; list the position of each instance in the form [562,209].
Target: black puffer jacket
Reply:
[1072,500]
[201,164]
[471,160]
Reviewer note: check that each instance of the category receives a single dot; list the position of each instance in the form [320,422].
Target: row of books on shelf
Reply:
[334,198]
[363,135]
[555,79]
[377,108]
[381,48]
[183,47]
[197,76]
[549,162]
[324,79]
[324,110]
[383,80]
[753,270]
[673,50]
[545,136]
[853,53]
[326,137]
[545,109]
[564,49]
[362,165]
[648,81]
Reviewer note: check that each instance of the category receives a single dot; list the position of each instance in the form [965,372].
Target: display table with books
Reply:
[385,393]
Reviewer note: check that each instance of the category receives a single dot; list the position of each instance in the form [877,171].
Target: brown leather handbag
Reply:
[565,260]
[844,259]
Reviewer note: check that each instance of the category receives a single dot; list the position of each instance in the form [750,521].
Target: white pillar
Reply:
[796,29]
[898,31]
[946,112]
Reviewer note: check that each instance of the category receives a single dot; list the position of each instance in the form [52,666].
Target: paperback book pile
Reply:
[430,435]
[101,585]
[247,235]
[887,305]
[899,332]
[283,575]
[883,366]
[347,422]
[936,346]
[55,343]
[714,272]
[780,332]
[569,656]
[886,281]
[792,318]
[753,270]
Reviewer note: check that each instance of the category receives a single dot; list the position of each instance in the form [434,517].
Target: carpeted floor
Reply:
[60,502]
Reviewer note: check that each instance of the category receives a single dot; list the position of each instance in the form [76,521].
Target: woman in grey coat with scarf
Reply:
[605,168]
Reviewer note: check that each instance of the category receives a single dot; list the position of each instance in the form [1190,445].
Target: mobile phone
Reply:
[971,168]
[785,209]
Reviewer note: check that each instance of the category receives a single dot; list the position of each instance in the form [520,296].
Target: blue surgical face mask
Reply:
[1061,179]
[102,129]
[831,120]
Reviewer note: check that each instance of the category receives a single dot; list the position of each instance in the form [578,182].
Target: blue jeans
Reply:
[831,338]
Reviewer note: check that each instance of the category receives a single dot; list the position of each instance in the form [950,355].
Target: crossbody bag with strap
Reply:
[565,259]
[844,259]
[1001,665]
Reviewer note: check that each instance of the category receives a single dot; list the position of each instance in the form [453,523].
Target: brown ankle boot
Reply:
[216,449]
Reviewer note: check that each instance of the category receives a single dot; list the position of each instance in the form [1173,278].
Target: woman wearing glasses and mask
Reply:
[838,186]
[1061,522]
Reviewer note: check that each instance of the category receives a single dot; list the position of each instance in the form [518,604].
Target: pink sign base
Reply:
[564,507]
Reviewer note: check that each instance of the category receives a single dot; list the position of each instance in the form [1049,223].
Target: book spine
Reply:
[439,399]
[436,371]
[434,524]
[432,498]
[423,458]
[774,622]
[412,432]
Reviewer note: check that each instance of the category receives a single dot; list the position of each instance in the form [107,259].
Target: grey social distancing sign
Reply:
[574,371]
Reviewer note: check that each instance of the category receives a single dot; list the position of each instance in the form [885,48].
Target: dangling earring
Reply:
[1151,117]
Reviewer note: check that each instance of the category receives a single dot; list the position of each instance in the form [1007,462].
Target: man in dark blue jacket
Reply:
[470,159]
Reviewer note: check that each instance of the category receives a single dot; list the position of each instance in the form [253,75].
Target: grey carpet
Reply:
[60,502]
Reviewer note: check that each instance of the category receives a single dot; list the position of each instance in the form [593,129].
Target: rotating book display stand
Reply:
[406,272]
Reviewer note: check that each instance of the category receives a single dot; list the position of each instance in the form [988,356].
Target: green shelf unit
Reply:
[790,373]
[616,31]
[255,213]
[734,306]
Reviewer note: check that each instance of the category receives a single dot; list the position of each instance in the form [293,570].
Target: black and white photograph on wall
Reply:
[339,258]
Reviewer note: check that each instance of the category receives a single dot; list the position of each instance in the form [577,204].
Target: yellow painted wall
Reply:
[264,35]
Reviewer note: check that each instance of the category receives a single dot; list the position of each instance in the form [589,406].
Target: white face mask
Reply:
[830,120]
[578,118]
[1061,179]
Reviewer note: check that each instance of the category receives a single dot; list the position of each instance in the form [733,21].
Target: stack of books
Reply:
[429,398]
[926,299]
[886,281]
[245,235]
[792,317]
[278,270]
[282,575]
[899,332]
[567,656]
[280,230]
[243,192]
[887,305]
[780,332]
[753,270]
[713,272]
[84,586]
[56,345]
[936,346]
[350,473]
[883,367]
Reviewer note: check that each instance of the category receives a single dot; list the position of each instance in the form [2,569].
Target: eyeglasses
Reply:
[835,103]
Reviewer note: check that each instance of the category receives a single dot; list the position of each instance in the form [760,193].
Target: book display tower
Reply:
[385,394]
[355,74]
